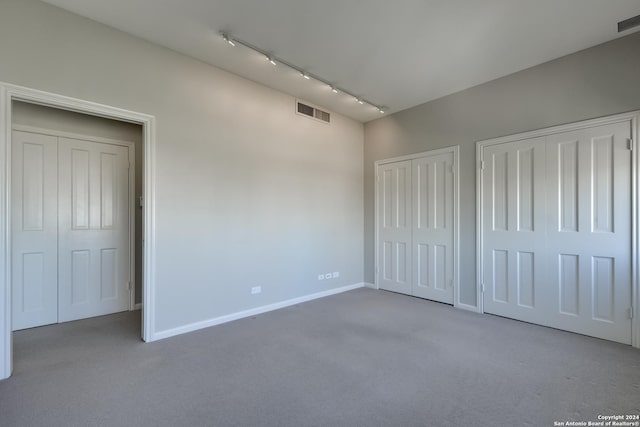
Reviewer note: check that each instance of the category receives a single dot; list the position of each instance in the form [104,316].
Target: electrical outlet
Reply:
[256,290]
[321,277]
[327,276]
[335,274]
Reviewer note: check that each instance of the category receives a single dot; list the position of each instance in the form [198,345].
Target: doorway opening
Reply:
[73,164]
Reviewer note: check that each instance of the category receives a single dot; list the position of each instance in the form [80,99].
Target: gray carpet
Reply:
[362,358]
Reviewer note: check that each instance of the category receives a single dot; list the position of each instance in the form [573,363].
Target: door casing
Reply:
[9,93]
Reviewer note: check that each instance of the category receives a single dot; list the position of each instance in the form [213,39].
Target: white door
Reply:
[34,209]
[94,251]
[394,227]
[70,222]
[589,231]
[556,229]
[433,226]
[514,228]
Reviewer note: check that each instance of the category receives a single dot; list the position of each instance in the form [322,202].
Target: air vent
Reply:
[628,24]
[313,112]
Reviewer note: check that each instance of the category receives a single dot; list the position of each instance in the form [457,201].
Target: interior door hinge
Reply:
[129,286]
[630,146]
[481,164]
[482,288]
[630,312]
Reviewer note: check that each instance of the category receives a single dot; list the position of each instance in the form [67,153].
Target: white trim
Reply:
[369,285]
[132,226]
[72,135]
[252,312]
[455,150]
[479,259]
[635,225]
[633,118]
[452,149]
[376,202]
[616,118]
[8,93]
[6,342]
[456,228]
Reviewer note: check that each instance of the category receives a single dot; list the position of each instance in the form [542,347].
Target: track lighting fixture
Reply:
[274,61]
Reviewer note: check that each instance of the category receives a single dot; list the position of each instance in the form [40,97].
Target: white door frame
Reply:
[456,217]
[9,93]
[131,175]
[634,118]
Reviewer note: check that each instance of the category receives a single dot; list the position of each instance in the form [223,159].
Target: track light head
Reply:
[305,75]
[334,89]
[360,101]
[226,38]
[271,60]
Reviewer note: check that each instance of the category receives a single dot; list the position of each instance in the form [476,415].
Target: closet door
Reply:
[514,231]
[433,223]
[556,230]
[94,251]
[394,227]
[589,247]
[34,223]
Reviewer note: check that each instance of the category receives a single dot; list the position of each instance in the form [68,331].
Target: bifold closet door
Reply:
[94,251]
[514,229]
[556,230]
[34,219]
[589,246]
[394,227]
[433,223]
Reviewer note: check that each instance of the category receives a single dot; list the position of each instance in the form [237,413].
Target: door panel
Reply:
[513,227]
[94,252]
[394,227]
[433,252]
[34,225]
[589,195]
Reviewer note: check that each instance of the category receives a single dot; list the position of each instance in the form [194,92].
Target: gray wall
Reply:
[83,124]
[596,82]
[248,192]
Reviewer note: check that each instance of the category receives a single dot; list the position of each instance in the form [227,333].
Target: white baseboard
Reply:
[370,285]
[251,312]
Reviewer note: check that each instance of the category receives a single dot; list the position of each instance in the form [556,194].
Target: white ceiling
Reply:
[397,53]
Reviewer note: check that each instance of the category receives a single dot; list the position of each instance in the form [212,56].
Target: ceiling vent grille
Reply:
[313,112]
[628,24]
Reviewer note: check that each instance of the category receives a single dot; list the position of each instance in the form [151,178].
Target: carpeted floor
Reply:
[362,358]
